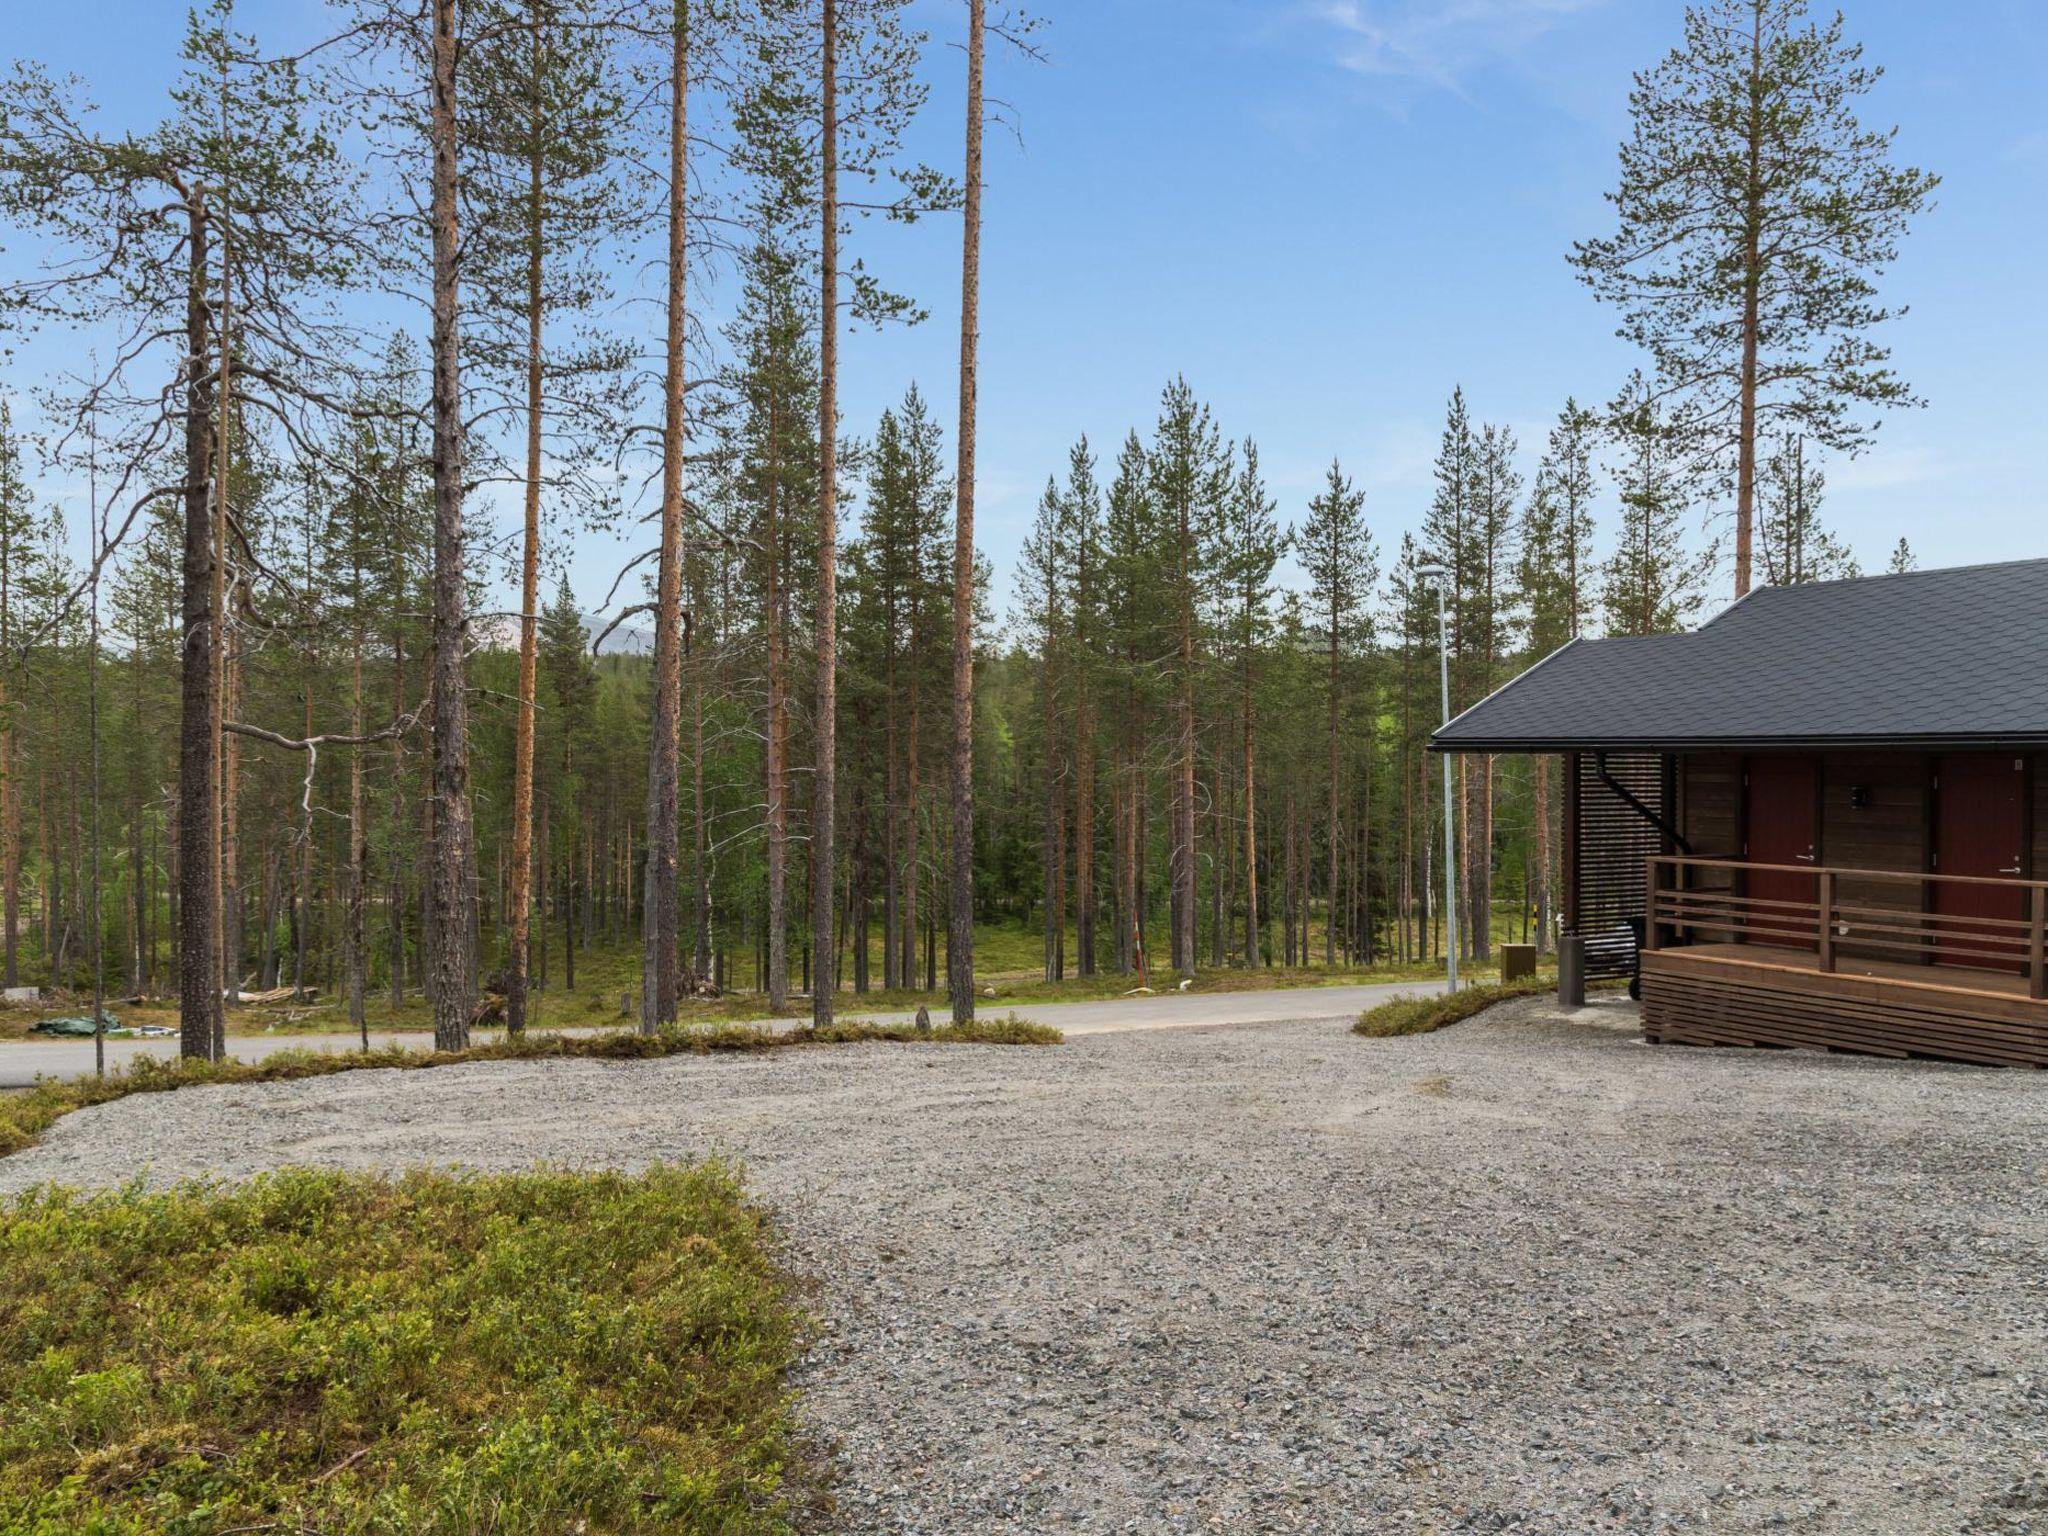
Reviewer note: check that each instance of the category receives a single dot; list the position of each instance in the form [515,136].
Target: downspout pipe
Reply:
[1628,797]
[1678,839]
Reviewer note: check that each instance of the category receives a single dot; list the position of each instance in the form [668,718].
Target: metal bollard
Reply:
[1571,971]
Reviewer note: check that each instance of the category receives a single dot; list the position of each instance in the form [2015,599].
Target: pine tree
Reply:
[545,125]
[1189,472]
[1043,620]
[568,679]
[1251,545]
[775,382]
[1653,582]
[1797,547]
[253,174]
[1555,589]
[1557,565]
[20,557]
[960,905]
[1083,502]
[1487,629]
[1338,556]
[1135,632]
[1756,213]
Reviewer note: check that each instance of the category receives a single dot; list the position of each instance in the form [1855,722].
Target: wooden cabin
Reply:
[1820,820]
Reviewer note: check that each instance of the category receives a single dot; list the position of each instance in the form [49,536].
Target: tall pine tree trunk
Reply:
[1053,918]
[519,918]
[825,724]
[700,831]
[452,961]
[1183,869]
[960,912]
[892,813]
[1084,816]
[1756,128]
[778,751]
[10,792]
[227,753]
[230,876]
[358,959]
[1330,832]
[662,954]
[395,887]
[199,1002]
[913,858]
[1252,957]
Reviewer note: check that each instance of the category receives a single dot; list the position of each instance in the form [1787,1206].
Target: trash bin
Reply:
[1517,962]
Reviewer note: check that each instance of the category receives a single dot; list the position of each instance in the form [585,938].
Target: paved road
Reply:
[22,1062]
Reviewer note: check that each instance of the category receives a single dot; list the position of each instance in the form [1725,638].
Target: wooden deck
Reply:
[1765,995]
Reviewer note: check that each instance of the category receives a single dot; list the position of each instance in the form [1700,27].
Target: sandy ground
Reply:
[1524,1275]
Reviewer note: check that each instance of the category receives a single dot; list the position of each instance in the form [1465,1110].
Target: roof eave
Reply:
[1947,742]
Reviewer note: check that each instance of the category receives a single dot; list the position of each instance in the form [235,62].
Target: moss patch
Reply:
[536,1353]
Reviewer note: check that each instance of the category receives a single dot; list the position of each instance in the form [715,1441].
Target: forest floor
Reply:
[1522,1274]
[1009,974]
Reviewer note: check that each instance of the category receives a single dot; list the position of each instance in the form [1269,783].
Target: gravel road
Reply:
[1526,1275]
[22,1062]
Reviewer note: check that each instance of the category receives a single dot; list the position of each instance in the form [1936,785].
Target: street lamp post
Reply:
[1440,578]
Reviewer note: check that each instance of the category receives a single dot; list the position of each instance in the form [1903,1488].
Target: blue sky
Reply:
[1326,213]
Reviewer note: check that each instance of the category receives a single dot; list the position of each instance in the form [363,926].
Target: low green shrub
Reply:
[1420,1015]
[440,1355]
[25,1116]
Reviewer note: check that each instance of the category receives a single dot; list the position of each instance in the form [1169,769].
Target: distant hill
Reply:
[500,631]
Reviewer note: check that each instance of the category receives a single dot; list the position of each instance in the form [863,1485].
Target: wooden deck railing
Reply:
[1701,900]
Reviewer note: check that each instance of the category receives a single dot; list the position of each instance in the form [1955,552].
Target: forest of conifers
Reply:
[299,697]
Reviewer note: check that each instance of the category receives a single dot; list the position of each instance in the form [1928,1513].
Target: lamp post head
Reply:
[1430,573]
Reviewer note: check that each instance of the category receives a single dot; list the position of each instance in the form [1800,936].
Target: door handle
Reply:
[2012,871]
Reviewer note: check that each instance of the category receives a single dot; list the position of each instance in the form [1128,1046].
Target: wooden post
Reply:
[1653,887]
[1826,914]
[2039,942]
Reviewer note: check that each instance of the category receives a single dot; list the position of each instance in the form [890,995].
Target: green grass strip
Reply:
[25,1116]
[1420,1015]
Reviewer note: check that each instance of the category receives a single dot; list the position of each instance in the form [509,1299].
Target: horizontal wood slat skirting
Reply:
[1696,1000]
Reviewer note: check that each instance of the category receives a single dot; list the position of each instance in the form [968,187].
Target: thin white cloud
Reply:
[1438,42]
[1888,466]
[2030,148]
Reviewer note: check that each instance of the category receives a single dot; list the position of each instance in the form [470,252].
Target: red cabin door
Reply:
[1980,829]
[1782,815]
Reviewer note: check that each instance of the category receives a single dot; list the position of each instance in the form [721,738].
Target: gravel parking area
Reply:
[1524,1275]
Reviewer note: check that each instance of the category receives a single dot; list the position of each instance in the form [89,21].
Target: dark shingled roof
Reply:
[1953,658]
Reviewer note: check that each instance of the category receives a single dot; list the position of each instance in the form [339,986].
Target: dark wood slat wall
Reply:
[1613,843]
[1711,789]
[1710,800]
